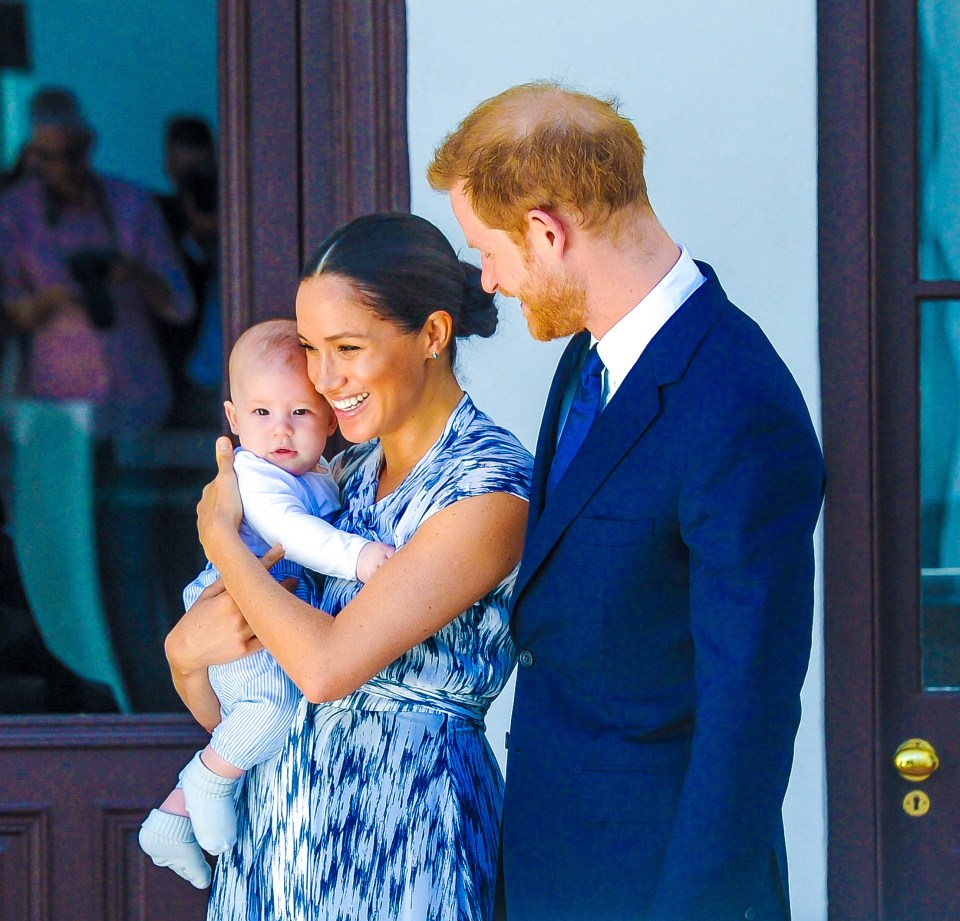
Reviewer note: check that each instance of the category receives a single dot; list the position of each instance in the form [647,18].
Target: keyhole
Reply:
[916,803]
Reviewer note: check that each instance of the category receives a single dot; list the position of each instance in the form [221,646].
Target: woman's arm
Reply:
[195,691]
[455,558]
[155,268]
[212,632]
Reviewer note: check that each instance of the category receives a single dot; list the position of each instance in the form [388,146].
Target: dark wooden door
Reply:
[890,304]
[73,792]
[312,132]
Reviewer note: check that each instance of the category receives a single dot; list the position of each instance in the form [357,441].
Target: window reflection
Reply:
[938,26]
[109,346]
[940,493]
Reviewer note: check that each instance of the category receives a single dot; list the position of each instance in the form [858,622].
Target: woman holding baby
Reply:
[385,801]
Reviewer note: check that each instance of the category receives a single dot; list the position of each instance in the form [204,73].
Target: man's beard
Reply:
[556,305]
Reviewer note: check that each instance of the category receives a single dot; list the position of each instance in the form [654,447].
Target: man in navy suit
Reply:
[663,607]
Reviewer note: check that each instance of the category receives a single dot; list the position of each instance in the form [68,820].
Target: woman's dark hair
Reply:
[404,269]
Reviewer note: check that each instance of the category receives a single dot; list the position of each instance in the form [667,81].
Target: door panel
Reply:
[939,351]
[938,114]
[73,792]
[916,387]
[75,786]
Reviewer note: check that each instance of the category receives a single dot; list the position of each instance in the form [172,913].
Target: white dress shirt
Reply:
[624,342]
[622,346]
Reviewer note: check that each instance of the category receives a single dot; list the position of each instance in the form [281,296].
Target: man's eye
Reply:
[347,348]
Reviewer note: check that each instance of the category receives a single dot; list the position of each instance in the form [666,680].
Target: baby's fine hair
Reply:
[271,342]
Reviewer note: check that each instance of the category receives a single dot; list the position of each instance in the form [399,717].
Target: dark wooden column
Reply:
[354,113]
[847,319]
[313,131]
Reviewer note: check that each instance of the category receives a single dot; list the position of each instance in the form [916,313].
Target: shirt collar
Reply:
[625,341]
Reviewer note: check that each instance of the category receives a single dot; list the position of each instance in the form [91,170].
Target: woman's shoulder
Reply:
[481,456]
[483,437]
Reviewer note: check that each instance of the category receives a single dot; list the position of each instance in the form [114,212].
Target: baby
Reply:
[282,424]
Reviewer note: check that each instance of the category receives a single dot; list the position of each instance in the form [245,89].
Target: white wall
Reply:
[724,96]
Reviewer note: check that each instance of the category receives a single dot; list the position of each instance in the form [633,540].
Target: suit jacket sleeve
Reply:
[747,512]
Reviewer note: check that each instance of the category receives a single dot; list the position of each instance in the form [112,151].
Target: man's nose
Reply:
[488,280]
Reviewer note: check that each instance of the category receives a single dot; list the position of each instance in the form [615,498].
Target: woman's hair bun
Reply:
[478,310]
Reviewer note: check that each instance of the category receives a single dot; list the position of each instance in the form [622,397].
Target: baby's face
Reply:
[276,414]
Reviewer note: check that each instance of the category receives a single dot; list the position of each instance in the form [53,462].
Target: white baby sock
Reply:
[169,841]
[209,799]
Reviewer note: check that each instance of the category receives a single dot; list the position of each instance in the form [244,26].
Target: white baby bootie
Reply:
[169,842]
[209,799]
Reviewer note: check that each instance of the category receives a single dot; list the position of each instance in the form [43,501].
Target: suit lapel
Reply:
[622,423]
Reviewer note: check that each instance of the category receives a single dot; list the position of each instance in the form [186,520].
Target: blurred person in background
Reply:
[193,351]
[86,263]
[22,166]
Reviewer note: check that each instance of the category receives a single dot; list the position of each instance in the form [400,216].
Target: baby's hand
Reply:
[371,558]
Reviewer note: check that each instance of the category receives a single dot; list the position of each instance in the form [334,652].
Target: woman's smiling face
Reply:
[368,369]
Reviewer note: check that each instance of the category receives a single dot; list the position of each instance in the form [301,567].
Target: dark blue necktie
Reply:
[583,411]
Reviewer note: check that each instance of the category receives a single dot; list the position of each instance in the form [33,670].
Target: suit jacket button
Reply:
[526,658]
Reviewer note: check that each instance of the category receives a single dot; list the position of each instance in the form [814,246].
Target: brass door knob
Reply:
[916,760]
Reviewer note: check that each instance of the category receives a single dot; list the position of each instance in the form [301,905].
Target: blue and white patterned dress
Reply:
[385,805]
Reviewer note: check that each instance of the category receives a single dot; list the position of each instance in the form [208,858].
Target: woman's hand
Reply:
[212,632]
[151,283]
[220,510]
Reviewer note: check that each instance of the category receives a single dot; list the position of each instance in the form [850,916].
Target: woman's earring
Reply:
[435,355]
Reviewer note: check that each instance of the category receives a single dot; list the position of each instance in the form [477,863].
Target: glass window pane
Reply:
[940,493]
[938,106]
[97,504]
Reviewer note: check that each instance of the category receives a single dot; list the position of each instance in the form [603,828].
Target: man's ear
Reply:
[546,233]
[231,413]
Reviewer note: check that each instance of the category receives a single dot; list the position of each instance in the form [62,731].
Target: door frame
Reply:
[847,306]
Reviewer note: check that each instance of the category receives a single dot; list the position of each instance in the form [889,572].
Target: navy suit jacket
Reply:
[663,614]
